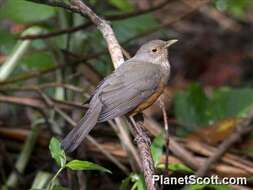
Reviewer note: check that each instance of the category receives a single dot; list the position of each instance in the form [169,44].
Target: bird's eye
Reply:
[154,50]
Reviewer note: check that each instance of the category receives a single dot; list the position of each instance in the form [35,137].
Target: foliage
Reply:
[193,108]
[176,167]
[59,156]
[85,165]
[42,60]
[122,5]
[7,41]
[24,12]
[157,148]
[136,181]
[57,152]
[128,28]
[235,7]
[213,187]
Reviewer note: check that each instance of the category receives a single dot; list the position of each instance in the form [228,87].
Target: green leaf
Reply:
[7,41]
[190,107]
[237,8]
[196,187]
[231,102]
[125,184]
[122,5]
[57,152]
[38,61]
[219,187]
[176,167]
[194,109]
[23,11]
[17,53]
[157,148]
[85,165]
[139,182]
[131,27]
[57,187]
[204,186]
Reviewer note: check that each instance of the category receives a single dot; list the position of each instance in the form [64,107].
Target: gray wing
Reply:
[126,88]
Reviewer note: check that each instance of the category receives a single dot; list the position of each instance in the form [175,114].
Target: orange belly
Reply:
[149,101]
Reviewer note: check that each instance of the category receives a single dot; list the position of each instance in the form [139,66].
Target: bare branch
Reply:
[56,3]
[105,29]
[117,59]
[38,102]
[52,105]
[87,24]
[241,129]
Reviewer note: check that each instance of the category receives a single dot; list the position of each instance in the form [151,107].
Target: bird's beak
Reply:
[170,42]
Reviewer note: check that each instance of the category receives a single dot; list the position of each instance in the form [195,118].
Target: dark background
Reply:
[209,92]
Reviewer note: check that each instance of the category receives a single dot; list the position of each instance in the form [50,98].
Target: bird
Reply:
[134,86]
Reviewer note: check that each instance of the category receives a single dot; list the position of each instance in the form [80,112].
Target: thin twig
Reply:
[105,29]
[166,24]
[57,3]
[56,33]
[117,59]
[51,104]
[38,102]
[108,155]
[207,150]
[176,148]
[121,130]
[39,73]
[166,127]
[87,24]
[241,129]
[183,154]
[24,157]
[42,86]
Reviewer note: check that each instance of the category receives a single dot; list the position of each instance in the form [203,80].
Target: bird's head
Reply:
[154,51]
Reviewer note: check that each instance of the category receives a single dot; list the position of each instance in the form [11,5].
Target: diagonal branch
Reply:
[53,106]
[87,24]
[143,142]
[108,34]
[117,58]
[241,129]
[56,3]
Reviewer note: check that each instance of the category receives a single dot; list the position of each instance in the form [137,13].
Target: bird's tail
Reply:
[84,126]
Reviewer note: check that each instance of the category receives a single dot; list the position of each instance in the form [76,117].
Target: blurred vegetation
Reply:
[209,92]
[236,8]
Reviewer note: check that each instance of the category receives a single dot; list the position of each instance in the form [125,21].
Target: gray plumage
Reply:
[121,92]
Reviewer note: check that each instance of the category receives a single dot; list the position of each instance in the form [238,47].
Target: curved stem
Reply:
[51,183]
